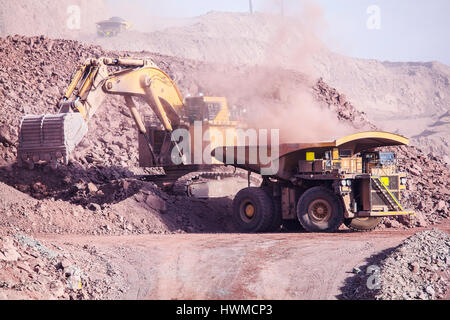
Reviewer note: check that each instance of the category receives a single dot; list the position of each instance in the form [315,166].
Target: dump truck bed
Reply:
[286,156]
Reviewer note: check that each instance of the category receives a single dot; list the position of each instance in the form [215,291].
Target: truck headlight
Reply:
[403,181]
[346,182]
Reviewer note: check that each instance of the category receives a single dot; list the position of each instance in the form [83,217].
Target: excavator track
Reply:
[182,185]
[179,179]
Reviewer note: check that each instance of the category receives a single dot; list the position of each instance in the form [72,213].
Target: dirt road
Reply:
[233,266]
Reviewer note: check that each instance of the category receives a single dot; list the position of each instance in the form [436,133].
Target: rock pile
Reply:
[338,103]
[417,269]
[139,208]
[133,215]
[30,270]
[428,190]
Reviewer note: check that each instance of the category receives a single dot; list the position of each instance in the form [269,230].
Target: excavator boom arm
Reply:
[140,78]
[50,137]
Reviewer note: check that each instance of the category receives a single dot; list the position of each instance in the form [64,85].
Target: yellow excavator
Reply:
[317,186]
[52,137]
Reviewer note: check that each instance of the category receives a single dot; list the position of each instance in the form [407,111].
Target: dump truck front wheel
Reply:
[363,223]
[319,210]
[253,210]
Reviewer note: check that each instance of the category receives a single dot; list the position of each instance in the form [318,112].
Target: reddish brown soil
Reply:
[237,266]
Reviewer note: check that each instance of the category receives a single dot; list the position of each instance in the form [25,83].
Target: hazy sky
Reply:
[404,30]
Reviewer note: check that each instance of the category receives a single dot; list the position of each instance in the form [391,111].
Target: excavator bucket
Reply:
[49,137]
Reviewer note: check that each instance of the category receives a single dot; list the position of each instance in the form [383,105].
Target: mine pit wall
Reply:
[56,19]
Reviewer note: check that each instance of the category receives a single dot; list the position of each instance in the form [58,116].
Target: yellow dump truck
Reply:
[112,27]
[319,186]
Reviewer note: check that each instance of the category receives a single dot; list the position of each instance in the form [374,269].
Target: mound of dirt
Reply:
[23,213]
[435,137]
[427,191]
[417,269]
[32,269]
[339,105]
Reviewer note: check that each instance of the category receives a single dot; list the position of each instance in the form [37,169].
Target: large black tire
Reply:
[292,225]
[275,224]
[320,210]
[363,224]
[253,210]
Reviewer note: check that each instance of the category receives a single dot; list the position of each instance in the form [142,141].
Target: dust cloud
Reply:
[270,95]
[300,117]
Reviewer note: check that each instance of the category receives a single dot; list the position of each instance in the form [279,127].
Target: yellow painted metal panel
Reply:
[223,114]
[310,156]
[374,135]
[335,154]
[391,213]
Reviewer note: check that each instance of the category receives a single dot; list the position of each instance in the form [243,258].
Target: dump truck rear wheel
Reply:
[363,223]
[319,210]
[253,210]
[275,224]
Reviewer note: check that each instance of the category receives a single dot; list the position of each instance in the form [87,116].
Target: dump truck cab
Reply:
[364,179]
[368,182]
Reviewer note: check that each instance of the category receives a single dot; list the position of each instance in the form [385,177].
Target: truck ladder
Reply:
[388,195]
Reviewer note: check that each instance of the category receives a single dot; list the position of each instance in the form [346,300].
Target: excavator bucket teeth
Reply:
[49,137]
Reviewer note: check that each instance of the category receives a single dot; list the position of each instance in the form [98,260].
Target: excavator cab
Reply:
[203,108]
[211,113]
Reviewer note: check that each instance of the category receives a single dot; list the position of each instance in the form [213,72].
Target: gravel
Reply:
[417,269]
